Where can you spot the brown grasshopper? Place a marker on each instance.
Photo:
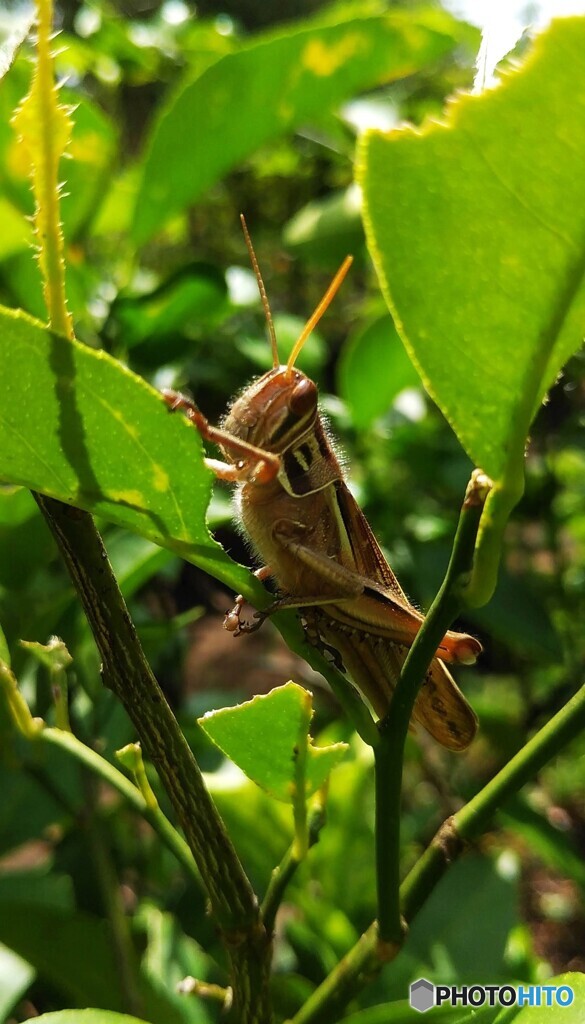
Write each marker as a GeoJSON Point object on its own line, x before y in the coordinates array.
{"type": "Point", "coordinates": [316, 543]}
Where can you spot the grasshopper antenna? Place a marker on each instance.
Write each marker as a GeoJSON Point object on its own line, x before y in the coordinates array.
{"type": "Point", "coordinates": [314, 319]}
{"type": "Point", "coordinates": [263, 295]}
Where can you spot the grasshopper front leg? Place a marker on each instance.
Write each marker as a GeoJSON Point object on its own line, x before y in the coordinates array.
{"type": "Point", "coordinates": [250, 464]}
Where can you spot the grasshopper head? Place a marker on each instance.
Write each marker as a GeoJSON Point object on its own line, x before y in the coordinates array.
{"type": "Point", "coordinates": [275, 411]}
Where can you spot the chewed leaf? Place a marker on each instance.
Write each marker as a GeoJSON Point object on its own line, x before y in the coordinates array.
{"type": "Point", "coordinates": [53, 655]}
{"type": "Point", "coordinates": [477, 231]}
{"type": "Point", "coordinates": [268, 738]}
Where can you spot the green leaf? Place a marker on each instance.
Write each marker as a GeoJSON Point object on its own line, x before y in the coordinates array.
{"type": "Point", "coordinates": [400, 1012]}
{"type": "Point", "coordinates": [17, 234]}
{"type": "Point", "coordinates": [42, 810]}
{"type": "Point", "coordinates": [289, 78]}
{"type": "Point", "coordinates": [92, 153]}
{"type": "Point", "coordinates": [100, 438]}
{"type": "Point", "coordinates": [326, 230]}
{"type": "Point", "coordinates": [170, 957]}
{"type": "Point", "coordinates": [74, 952]}
{"type": "Point", "coordinates": [268, 736]}
{"type": "Point", "coordinates": [478, 235]}
{"type": "Point", "coordinates": [185, 301]}
{"type": "Point", "coordinates": [442, 947]}
{"type": "Point", "coordinates": [4, 652]}
{"type": "Point", "coordinates": [551, 844]}
{"type": "Point", "coordinates": [368, 392]}
{"type": "Point", "coordinates": [15, 977]}
{"type": "Point", "coordinates": [554, 1014]}
{"type": "Point", "coordinates": [477, 232]}
{"type": "Point", "coordinates": [14, 28]}
{"type": "Point", "coordinates": [84, 1017]}
{"type": "Point", "coordinates": [53, 655]}
{"type": "Point", "coordinates": [135, 560]}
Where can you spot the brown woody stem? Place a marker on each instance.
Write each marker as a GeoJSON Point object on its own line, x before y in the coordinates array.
{"type": "Point", "coordinates": [127, 673]}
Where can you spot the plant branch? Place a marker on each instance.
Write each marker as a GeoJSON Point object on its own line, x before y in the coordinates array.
{"type": "Point", "coordinates": [108, 773]}
{"type": "Point", "coordinates": [109, 887]}
{"type": "Point", "coordinates": [474, 817]}
{"type": "Point", "coordinates": [393, 729]}
{"type": "Point", "coordinates": [126, 671]}
{"type": "Point", "coordinates": [284, 871]}
{"type": "Point", "coordinates": [45, 128]}
{"type": "Point", "coordinates": [364, 960]}
{"type": "Point", "coordinates": [352, 704]}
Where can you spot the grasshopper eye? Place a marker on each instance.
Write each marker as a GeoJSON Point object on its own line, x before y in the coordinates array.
{"type": "Point", "coordinates": [303, 397]}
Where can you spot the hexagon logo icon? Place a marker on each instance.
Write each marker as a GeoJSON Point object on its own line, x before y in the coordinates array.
{"type": "Point", "coordinates": [422, 995]}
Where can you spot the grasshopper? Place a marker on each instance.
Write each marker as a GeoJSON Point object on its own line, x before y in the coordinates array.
{"type": "Point", "coordinates": [317, 545]}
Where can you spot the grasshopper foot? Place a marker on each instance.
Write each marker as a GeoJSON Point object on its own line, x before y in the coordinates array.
{"type": "Point", "coordinates": [233, 619]}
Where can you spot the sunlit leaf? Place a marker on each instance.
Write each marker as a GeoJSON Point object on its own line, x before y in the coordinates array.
{"type": "Point", "coordinates": [289, 78]}
{"type": "Point", "coordinates": [326, 230]}
{"type": "Point", "coordinates": [477, 232]}
{"type": "Point", "coordinates": [99, 437]}
{"type": "Point", "coordinates": [373, 369]}
{"type": "Point", "coordinates": [4, 652]}
{"type": "Point", "coordinates": [84, 1017]}
{"type": "Point", "coordinates": [15, 977]}
{"type": "Point", "coordinates": [14, 28]}
{"type": "Point", "coordinates": [268, 738]}
{"type": "Point", "coordinates": [478, 235]}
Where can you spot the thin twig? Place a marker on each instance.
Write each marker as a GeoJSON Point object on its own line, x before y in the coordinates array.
{"type": "Point", "coordinates": [283, 873]}
{"type": "Point", "coordinates": [108, 773]}
{"type": "Point", "coordinates": [109, 888]}
{"type": "Point", "coordinates": [389, 754]}
{"type": "Point", "coordinates": [364, 960]}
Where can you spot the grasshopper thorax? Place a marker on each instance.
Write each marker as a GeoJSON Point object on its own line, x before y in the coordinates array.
{"type": "Point", "coordinates": [275, 411]}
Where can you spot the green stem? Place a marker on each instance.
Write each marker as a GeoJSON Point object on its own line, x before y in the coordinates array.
{"type": "Point", "coordinates": [283, 873]}
{"type": "Point", "coordinates": [363, 960]}
{"type": "Point", "coordinates": [51, 117]}
{"type": "Point", "coordinates": [354, 707]}
{"type": "Point", "coordinates": [126, 671]}
{"type": "Point", "coordinates": [388, 786]}
{"type": "Point", "coordinates": [108, 773]}
{"type": "Point", "coordinates": [474, 817]}
{"type": "Point", "coordinates": [389, 754]}
{"type": "Point", "coordinates": [109, 886]}
{"type": "Point", "coordinates": [357, 968]}
{"type": "Point", "coordinates": [61, 697]}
